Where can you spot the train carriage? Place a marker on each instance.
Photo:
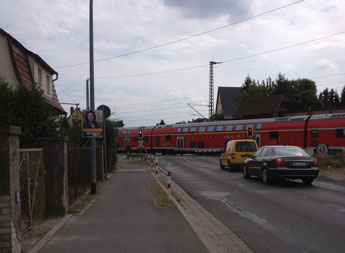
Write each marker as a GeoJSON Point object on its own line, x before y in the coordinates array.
{"type": "Point", "coordinates": [319, 132]}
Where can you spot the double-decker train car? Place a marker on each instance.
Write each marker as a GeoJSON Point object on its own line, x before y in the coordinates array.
{"type": "Point", "coordinates": [322, 133]}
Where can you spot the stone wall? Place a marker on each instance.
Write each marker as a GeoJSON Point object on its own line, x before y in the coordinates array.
{"type": "Point", "coordinates": [10, 240]}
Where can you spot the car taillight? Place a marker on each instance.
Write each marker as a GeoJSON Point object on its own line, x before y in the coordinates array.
{"type": "Point", "coordinates": [315, 163]}
{"type": "Point", "coordinates": [279, 162]}
{"type": "Point", "coordinates": [233, 156]}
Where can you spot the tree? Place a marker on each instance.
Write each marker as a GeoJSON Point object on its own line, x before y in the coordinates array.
{"type": "Point", "coordinates": [28, 109]}
{"type": "Point", "coordinates": [304, 95]}
{"type": "Point", "coordinates": [342, 97]}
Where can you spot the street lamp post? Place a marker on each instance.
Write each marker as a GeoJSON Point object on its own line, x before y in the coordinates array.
{"type": "Point", "coordinates": [92, 105]}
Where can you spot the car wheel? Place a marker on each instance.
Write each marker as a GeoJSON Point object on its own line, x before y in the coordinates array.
{"type": "Point", "coordinates": [308, 181]}
{"type": "Point", "coordinates": [245, 172]}
{"type": "Point", "coordinates": [265, 178]}
{"type": "Point", "coordinates": [229, 165]}
{"type": "Point", "coordinates": [221, 164]}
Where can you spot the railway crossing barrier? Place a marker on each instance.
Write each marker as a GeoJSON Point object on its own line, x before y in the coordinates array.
{"type": "Point", "coordinates": [160, 171]}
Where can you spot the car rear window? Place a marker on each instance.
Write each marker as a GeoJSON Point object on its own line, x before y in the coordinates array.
{"type": "Point", "coordinates": [289, 151]}
{"type": "Point", "coordinates": [245, 146]}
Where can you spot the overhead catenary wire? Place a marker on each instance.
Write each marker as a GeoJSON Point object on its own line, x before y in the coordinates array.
{"type": "Point", "coordinates": [229, 60]}
{"type": "Point", "coordinates": [184, 38]}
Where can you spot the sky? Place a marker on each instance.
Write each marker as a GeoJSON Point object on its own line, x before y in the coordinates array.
{"type": "Point", "coordinates": [152, 56]}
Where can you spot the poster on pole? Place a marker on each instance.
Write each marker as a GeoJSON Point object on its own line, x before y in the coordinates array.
{"type": "Point", "coordinates": [93, 123]}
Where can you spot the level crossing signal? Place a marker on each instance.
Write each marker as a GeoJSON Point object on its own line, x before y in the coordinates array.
{"type": "Point", "coordinates": [140, 133]}
{"type": "Point", "coordinates": [250, 132]}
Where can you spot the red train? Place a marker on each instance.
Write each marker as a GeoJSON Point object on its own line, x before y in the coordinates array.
{"type": "Point", "coordinates": [322, 133]}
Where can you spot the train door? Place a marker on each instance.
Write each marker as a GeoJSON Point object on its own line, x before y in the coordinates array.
{"type": "Point", "coordinates": [180, 143]}
{"type": "Point", "coordinates": [258, 139]}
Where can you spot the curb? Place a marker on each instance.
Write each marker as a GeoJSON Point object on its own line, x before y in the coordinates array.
{"type": "Point", "coordinates": [215, 236]}
{"type": "Point", "coordinates": [50, 234]}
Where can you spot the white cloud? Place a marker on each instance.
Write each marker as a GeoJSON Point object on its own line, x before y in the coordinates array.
{"type": "Point", "coordinates": [325, 64]}
{"type": "Point", "coordinates": [58, 32]}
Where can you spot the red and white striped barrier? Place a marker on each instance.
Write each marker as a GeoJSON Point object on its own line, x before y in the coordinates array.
{"type": "Point", "coordinates": [166, 172]}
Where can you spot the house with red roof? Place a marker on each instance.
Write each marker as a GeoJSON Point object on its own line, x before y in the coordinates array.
{"type": "Point", "coordinates": [20, 65]}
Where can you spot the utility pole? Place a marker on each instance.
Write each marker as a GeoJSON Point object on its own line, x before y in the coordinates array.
{"type": "Point", "coordinates": [93, 177]}
{"type": "Point", "coordinates": [211, 96]}
{"type": "Point", "coordinates": [87, 95]}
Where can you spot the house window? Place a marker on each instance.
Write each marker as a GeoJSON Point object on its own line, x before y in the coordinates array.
{"type": "Point", "coordinates": [48, 84]}
{"type": "Point", "coordinates": [39, 78]}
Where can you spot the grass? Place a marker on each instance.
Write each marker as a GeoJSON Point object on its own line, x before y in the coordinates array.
{"type": "Point", "coordinates": [331, 162]}
{"type": "Point", "coordinates": [160, 196]}
{"type": "Point", "coordinates": [84, 202]}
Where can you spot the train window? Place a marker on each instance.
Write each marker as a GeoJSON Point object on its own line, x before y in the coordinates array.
{"type": "Point", "coordinates": [192, 144]}
{"type": "Point", "coordinates": [229, 128]}
{"type": "Point", "coordinates": [201, 144]}
{"type": "Point", "coordinates": [274, 135]}
{"type": "Point", "coordinates": [185, 130]}
{"type": "Point", "coordinates": [168, 138]}
{"type": "Point", "coordinates": [250, 126]}
{"type": "Point", "coordinates": [158, 138]}
{"type": "Point", "coordinates": [314, 134]}
{"type": "Point", "coordinates": [129, 133]}
{"type": "Point", "coordinates": [219, 128]}
{"type": "Point", "coordinates": [146, 138]}
{"type": "Point", "coordinates": [210, 129]}
{"type": "Point", "coordinates": [193, 130]}
{"type": "Point", "coordinates": [340, 133]}
{"type": "Point", "coordinates": [135, 138]}
{"type": "Point", "coordinates": [201, 129]}
{"type": "Point", "coordinates": [239, 128]}
{"type": "Point", "coordinates": [258, 127]}
{"type": "Point", "coordinates": [179, 130]}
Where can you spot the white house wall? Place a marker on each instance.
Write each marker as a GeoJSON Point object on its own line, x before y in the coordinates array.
{"type": "Point", "coordinates": [6, 67]}
{"type": "Point", "coordinates": [44, 85]}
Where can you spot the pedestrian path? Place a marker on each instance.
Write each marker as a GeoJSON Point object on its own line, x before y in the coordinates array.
{"type": "Point", "coordinates": [125, 219]}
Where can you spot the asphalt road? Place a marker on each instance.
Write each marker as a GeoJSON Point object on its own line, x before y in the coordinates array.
{"type": "Point", "coordinates": [285, 216]}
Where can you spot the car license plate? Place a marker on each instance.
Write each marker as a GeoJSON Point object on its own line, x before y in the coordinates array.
{"type": "Point", "coordinates": [299, 164]}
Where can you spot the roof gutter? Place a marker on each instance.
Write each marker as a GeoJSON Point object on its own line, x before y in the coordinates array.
{"type": "Point", "coordinates": [56, 76]}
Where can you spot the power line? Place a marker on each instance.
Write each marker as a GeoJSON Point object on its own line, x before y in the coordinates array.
{"type": "Point", "coordinates": [319, 77]}
{"type": "Point", "coordinates": [230, 60]}
{"type": "Point", "coordinates": [185, 38]}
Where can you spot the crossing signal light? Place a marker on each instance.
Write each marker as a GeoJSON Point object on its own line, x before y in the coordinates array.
{"type": "Point", "coordinates": [250, 132]}
{"type": "Point", "coordinates": [140, 133]}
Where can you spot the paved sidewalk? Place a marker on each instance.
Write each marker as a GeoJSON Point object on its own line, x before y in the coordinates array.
{"type": "Point", "coordinates": [125, 219]}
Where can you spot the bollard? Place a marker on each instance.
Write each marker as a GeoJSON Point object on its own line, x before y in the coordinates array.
{"type": "Point", "coordinates": [169, 180]}
{"type": "Point", "coordinates": [157, 169]}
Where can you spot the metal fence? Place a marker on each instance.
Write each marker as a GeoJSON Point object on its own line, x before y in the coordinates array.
{"type": "Point", "coordinates": [78, 172]}
{"type": "Point", "coordinates": [32, 192]}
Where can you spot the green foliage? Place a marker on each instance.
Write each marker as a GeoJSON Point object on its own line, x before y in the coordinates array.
{"type": "Point", "coordinates": [331, 97]}
{"type": "Point", "coordinates": [300, 93]}
{"type": "Point", "coordinates": [28, 109]}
